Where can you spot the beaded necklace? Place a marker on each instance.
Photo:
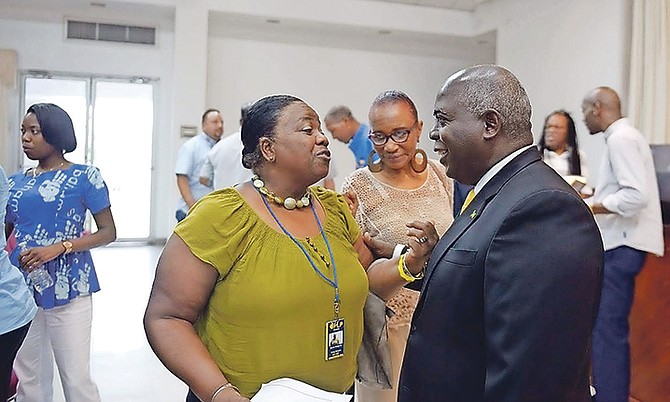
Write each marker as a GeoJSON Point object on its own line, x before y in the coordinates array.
{"type": "Point", "coordinates": [288, 202]}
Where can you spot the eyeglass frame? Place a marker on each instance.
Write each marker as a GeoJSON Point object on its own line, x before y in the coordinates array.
{"type": "Point", "coordinates": [375, 134]}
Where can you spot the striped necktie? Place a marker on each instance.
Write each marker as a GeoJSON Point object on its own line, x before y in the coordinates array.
{"type": "Point", "coordinates": [468, 199]}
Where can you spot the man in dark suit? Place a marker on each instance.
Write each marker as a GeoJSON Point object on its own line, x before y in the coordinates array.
{"type": "Point", "coordinates": [512, 288]}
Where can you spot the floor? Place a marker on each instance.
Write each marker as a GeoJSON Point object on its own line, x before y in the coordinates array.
{"type": "Point", "coordinates": [122, 363]}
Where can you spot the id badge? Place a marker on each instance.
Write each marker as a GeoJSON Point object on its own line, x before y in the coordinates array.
{"type": "Point", "coordinates": [334, 339]}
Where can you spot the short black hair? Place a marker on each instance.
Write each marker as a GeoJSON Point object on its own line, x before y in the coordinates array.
{"type": "Point", "coordinates": [56, 125]}
{"type": "Point", "coordinates": [261, 121]}
{"type": "Point", "coordinates": [208, 111]}
{"type": "Point", "coordinates": [244, 110]}
{"type": "Point", "coordinates": [395, 96]}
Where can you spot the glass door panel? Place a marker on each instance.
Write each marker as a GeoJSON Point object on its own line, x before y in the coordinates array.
{"type": "Point", "coordinates": [121, 149]}
{"type": "Point", "coordinates": [69, 94]}
{"type": "Point", "coordinates": [113, 122]}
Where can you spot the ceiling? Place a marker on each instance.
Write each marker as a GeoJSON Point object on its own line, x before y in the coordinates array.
{"type": "Point", "coordinates": [463, 5]}
{"type": "Point", "coordinates": [480, 48]}
{"type": "Point", "coordinates": [256, 27]}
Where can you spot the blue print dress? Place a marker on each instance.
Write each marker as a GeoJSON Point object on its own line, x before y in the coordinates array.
{"type": "Point", "coordinates": [48, 208]}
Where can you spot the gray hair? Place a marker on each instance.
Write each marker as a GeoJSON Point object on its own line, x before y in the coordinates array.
{"type": "Point", "coordinates": [492, 87]}
{"type": "Point", "coordinates": [337, 113]}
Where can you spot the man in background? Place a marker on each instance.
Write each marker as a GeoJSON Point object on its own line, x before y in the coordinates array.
{"type": "Point", "coordinates": [627, 208]}
{"type": "Point", "coordinates": [511, 290]}
{"type": "Point", "coordinates": [190, 159]}
{"type": "Point", "coordinates": [223, 163]}
{"type": "Point", "coordinates": [345, 128]}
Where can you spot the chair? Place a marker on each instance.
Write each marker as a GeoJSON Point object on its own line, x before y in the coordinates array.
{"type": "Point", "coordinates": [661, 155]}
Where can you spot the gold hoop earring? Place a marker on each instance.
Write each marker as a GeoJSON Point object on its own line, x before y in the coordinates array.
{"type": "Point", "coordinates": [421, 165]}
{"type": "Point", "coordinates": [374, 166]}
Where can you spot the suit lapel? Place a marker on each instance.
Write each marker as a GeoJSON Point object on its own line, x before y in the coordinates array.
{"type": "Point", "coordinates": [476, 207]}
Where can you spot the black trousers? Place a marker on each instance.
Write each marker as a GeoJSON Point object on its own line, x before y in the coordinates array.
{"type": "Point", "coordinates": [9, 347]}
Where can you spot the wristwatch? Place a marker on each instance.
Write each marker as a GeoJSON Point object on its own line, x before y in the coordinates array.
{"type": "Point", "coordinates": [68, 246]}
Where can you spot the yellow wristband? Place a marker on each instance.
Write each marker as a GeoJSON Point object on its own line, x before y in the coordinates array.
{"type": "Point", "coordinates": [405, 273]}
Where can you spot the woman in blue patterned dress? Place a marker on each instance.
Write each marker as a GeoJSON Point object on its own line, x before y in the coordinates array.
{"type": "Point", "coordinates": [46, 209]}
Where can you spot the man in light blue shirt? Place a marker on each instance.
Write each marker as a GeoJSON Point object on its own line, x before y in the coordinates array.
{"type": "Point", "coordinates": [17, 307]}
{"type": "Point", "coordinates": [344, 127]}
{"type": "Point", "coordinates": [190, 159]}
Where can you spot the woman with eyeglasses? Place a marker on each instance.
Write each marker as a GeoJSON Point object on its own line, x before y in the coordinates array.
{"type": "Point", "coordinates": [402, 186]}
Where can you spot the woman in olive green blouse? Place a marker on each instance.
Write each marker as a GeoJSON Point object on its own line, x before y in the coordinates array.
{"type": "Point", "coordinates": [267, 279]}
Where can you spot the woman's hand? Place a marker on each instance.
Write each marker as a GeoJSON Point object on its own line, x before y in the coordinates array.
{"type": "Point", "coordinates": [383, 274]}
{"type": "Point", "coordinates": [38, 256]}
{"type": "Point", "coordinates": [378, 248]}
{"type": "Point", "coordinates": [423, 238]}
{"type": "Point", "coordinates": [352, 201]}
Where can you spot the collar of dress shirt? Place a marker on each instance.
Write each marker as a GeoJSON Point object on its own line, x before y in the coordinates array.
{"type": "Point", "coordinates": [624, 121]}
{"type": "Point", "coordinates": [497, 167]}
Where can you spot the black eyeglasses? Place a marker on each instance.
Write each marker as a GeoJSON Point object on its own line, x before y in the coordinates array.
{"type": "Point", "coordinates": [398, 136]}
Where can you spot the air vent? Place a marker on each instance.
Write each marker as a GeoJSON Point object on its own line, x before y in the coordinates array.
{"type": "Point", "coordinates": [111, 32]}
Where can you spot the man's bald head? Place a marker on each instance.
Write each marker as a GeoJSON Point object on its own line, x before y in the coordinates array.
{"type": "Point", "coordinates": [492, 87]}
{"type": "Point", "coordinates": [607, 97]}
{"type": "Point", "coordinates": [601, 107]}
{"type": "Point", "coordinates": [482, 115]}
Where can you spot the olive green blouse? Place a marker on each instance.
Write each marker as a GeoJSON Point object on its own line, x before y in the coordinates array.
{"type": "Point", "coordinates": [267, 314]}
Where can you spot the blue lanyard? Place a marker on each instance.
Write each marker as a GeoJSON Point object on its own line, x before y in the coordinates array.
{"type": "Point", "coordinates": [333, 283]}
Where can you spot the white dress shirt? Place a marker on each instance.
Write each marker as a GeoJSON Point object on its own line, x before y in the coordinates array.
{"type": "Point", "coordinates": [497, 168]}
{"type": "Point", "coordinates": [561, 162]}
{"type": "Point", "coordinates": [223, 163]}
{"type": "Point", "coordinates": [627, 186]}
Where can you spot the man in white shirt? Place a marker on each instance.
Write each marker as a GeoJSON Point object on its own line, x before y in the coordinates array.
{"type": "Point", "coordinates": [628, 212]}
{"type": "Point", "coordinates": [190, 159]}
{"type": "Point", "coordinates": [222, 166]}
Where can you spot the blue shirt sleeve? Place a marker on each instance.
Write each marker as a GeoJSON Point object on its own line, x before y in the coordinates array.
{"type": "Point", "coordinates": [96, 194]}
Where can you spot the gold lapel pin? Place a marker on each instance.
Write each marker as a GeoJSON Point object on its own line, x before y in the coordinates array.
{"type": "Point", "coordinates": [473, 214]}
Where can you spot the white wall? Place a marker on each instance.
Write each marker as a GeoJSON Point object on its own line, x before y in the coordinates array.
{"type": "Point", "coordinates": [245, 70]}
{"type": "Point", "coordinates": [560, 50]}
{"type": "Point", "coordinates": [41, 45]}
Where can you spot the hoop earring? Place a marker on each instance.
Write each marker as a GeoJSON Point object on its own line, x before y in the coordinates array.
{"type": "Point", "coordinates": [421, 165]}
{"type": "Point", "coordinates": [375, 167]}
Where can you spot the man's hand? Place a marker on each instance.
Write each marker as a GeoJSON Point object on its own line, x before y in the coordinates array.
{"type": "Point", "coordinates": [424, 237]}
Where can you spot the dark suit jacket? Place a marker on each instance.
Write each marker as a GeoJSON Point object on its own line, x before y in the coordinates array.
{"type": "Point", "coordinates": [510, 296]}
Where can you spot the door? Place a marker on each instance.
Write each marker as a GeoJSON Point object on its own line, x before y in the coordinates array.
{"type": "Point", "coordinates": [113, 121]}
